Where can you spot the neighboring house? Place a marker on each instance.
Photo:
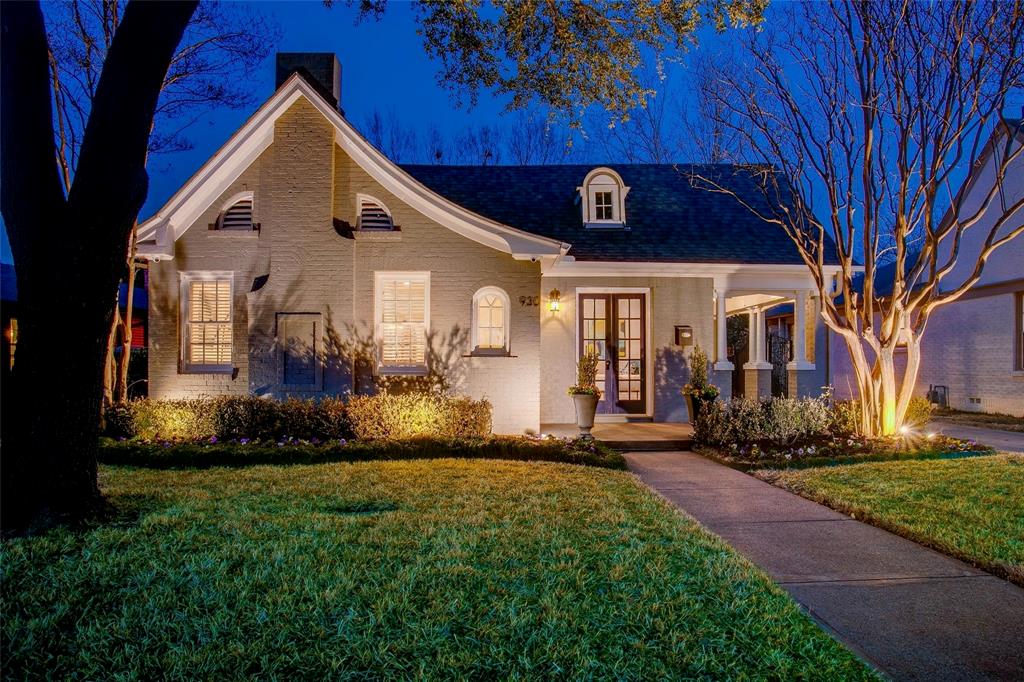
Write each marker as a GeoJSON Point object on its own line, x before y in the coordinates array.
{"type": "Point", "coordinates": [9, 314]}
{"type": "Point", "coordinates": [300, 261]}
{"type": "Point", "coordinates": [972, 353]}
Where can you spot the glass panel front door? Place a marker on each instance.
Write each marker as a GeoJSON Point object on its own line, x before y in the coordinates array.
{"type": "Point", "coordinates": [614, 327]}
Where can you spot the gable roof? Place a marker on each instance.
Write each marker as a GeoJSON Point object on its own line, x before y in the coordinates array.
{"type": "Point", "coordinates": [668, 218]}
{"type": "Point", "coordinates": [158, 233]}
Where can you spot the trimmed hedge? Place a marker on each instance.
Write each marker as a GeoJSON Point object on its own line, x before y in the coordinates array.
{"type": "Point", "coordinates": [233, 454]}
{"type": "Point", "coordinates": [381, 416]}
{"type": "Point", "coordinates": [414, 415]}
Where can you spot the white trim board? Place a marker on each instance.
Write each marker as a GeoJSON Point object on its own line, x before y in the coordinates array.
{"type": "Point", "coordinates": [157, 234]}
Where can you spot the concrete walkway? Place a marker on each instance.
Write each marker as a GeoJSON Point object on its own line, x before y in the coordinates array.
{"type": "Point", "coordinates": [1008, 441]}
{"type": "Point", "coordinates": [911, 612]}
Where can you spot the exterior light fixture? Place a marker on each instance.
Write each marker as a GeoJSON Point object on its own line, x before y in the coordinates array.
{"type": "Point", "coordinates": [904, 429]}
{"type": "Point", "coordinates": [554, 300]}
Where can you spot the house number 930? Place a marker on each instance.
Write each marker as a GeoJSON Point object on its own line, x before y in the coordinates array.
{"type": "Point", "coordinates": [529, 301]}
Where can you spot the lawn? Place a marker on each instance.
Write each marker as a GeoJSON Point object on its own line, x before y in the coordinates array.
{"type": "Point", "coordinates": [428, 569]}
{"type": "Point", "coordinates": [970, 508]}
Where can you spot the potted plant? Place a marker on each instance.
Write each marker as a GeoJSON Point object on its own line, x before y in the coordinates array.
{"type": "Point", "coordinates": [699, 391]}
{"type": "Point", "coordinates": [585, 394]}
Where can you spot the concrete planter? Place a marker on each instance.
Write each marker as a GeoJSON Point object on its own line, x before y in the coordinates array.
{"type": "Point", "coordinates": [586, 408]}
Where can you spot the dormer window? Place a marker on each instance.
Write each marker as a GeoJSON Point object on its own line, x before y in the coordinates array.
{"type": "Point", "coordinates": [603, 197]}
{"type": "Point", "coordinates": [373, 215]}
{"type": "Point", "coordinates": [237, 214]}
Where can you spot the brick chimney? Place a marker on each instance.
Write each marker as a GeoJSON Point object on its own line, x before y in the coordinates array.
{"type": "Point", "coordinates": [320, 69]}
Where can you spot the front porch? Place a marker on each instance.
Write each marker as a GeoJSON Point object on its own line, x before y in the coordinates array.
{"type": "Point", "coordinates": [633, 436]}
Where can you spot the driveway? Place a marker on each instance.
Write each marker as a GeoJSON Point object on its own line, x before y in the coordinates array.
{"type": "Point", "coordinates": [913, 613]}
{"type": "Point", "coordinates": [1008, 441]}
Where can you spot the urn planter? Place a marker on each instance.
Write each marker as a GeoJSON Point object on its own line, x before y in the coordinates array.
{"type": "Point", "coordinates": [586, 408]}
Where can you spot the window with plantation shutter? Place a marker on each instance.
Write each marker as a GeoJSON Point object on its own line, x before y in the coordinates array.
{"type": "Point", "coordinates": [373, 215]}
{"type": "Point", "coordinates": [402, 312]}
{"type": "Point", "coordinates": [238, 216]}
{"type": "Point", "coordinates": [206, 322]}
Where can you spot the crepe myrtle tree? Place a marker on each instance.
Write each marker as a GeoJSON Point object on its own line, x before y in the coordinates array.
{"type": "Point", "coordinates": [69, 243]}
{"type": "Point", "coordinates": [865, 118]}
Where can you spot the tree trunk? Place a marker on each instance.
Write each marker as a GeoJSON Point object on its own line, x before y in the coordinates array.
{"type": "Point", "coordinates": [887, 424]}
{"type": "Point", "coordinates": [69, 252]}
{"type": "Point", "coordinates": [121, 383]}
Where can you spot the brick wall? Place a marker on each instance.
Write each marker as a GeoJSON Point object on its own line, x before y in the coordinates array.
{"type": "Point", "coordinates": [302, 182]}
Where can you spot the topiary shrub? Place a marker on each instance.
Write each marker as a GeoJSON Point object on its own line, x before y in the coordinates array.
{"type": "Point", "coordinates": [413, 415]}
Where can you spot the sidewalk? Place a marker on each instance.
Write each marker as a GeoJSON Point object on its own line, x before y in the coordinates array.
{"type": "Point", "coordinates": [911, 612]}
{"type": "Point", "coordinates": [1008, 441]}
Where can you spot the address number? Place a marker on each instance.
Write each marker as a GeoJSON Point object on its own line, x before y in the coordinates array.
{"type": "Point", "coordinates": [526, 301]}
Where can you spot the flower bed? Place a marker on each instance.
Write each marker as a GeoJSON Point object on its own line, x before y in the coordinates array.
{"type": "Point", "coordinates": [214, 452]}
{"type": "Point", "coordinates": [835, 450]}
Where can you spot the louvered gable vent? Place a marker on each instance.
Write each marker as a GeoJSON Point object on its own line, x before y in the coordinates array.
{"type": "Point", "coordinates": [238, 217]}
{"type": "Point", "coordinates": [373, 216]}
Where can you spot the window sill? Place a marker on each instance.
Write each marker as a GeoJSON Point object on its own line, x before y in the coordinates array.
{"type": "Point", "coordinates": [605, 225]}
{"type": "Point", "coordinates": [234, 234]}
{"type": "Point", "coordinates": [491, 354]}
{"type": "Point", "coordinates": [1017, 373]}
{"type": "Point", "coordinates": [226, 371]}
{"type": "Point", "coordinates": [402, 371]}
{"type": "Point", "coordinates": [394, 235]}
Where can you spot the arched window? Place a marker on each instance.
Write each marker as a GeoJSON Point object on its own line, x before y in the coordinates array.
{"type": "Point", "coordinates": [491, 312]}
{"type": "Point", "coordinates": [237, 213]}
{"type": "Point", "coordinates": [373, 215]}
{"type": "Point", "coordinates": [604, 199]}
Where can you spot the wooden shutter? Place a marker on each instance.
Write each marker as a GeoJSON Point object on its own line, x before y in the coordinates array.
{"type": "Point", "coordinates": [403, 337]}
{"type": "Point", "coordinates": [208, 326]}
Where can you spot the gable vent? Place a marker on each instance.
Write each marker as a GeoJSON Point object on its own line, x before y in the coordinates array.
{"type": "Point", "coordinates": [373, 216]}
{"type": "Point", "coordinates": [238, 217]}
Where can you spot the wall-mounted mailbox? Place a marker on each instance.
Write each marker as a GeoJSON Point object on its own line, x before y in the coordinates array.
{"type": "Point", "coordinates": [684, 335]}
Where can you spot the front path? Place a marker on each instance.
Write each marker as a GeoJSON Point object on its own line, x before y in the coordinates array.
{"type": "Point", "coordinates": [910, 611]}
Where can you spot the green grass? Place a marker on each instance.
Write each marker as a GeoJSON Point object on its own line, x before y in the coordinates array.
{"type": "Point", "coordinates": [426, 569]}
{"type": "Point", "coordinates": [970, 508]}
{"type": "Point", "coordinates": [985, 420]}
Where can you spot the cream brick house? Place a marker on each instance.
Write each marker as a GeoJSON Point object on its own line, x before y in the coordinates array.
{"type": "Point", "coordinates": [300, 261]}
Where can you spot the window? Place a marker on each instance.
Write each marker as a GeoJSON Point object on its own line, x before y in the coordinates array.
{"type": "Point", "coordinates": [491, 310]}
{"type": "Point", "coordinates": [402, 313]}
{"type": "Point", "coordinates": [237, 214]}
{"type": "Point", "coordinates": [373, 215]}
{"type": "Point", "coordinates": [604, 197]}
{"type": "Point", "coordinates": [206, 321]}
{"type": "Point", "coordinates": [299, 340]}
{"type": "Point", "coordinates": [603, 205]}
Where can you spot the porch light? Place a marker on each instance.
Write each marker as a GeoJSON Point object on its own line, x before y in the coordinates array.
{"type": "Point", "coordinates": [554, 300]}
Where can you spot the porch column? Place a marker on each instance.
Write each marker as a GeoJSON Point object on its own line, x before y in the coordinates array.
{"type": "Point", "coordinates": [721, 337]}
{"type": "Point", "coordinates": [798, 368]}
{"type": "Point", "coordinates": [757, 373]}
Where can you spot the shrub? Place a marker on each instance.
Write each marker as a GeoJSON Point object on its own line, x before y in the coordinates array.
{"type": "Point", "coordinates": [228, 417]}
{"type": "Point", "coordinates": [586, 375]}
{"type": "Point", "coordinates": [237, 454]}
{"type": "Point", "coordinates": [384, 416]}
{"type": "Point", "coordinates": [919, 411]}
{"type": "Point", "coordinates": [775, 420]}
{"type": "Point", "coordinates": [845, 418]}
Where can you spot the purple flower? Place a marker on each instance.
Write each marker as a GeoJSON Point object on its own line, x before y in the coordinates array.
{"type": "Point", "coordinates": [213, 439]}
{"type": "Point", "coordinates": [243, 441]}
{"type": "Point", "coordinates": [314, 440]}
{"type": "Point", "coordinates": [167, 444]}
{"type": "Point", "coordinates": [342, 441]}
{"type": "Point", "coordinates": [121, 439]}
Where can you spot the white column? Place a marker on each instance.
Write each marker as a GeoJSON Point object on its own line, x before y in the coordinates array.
{"type": "Point", "coordinates": [758, 344]}
{"type": "Point", "coordinates": [721, 337]}
{"type": "Point", "coordinates": [800, 333]}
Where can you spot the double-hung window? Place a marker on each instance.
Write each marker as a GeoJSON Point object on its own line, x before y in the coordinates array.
{"type": "Point", "coordinates": [206, 321]}
{"type": "Point", "coordinates": [402, 311]}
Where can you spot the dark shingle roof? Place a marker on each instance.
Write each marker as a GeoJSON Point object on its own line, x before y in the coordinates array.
{"type": "Point", "coordinates": [669, 219]}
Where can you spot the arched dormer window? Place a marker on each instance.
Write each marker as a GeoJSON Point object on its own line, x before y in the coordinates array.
{"type": "Point", "coordinates": [373, 214]}
{"type": "Point", "coordinates": [236, 214]}
{"type": "Point", "coordinates": [491, 315]}
{"type": "Point", "coordinates": [603, 197]}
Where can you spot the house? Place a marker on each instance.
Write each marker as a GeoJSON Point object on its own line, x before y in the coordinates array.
{"type": "Point", "coordinates": [300, 261]}
{"type": "Point", "coordinates": [972, 352]}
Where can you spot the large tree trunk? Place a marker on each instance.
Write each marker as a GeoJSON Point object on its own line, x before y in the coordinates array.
{"type": "Point", "coordinates": [69, 253]}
